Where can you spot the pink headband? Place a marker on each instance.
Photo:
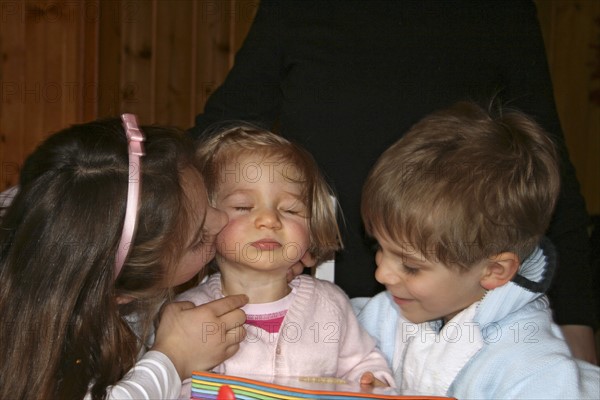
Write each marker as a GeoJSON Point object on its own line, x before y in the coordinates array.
{"type": "Point", "coordinates": [136, 149]}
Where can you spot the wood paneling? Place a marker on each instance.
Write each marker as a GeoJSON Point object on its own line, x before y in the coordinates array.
{"type": "Point", "coordinates": [166, 57]}
{"type": "Point", "coordinates": [571, 32]}
{"type": "Point", "coordinates": [65, 61]}
{"type": "Point", "coordinates": [47, 53]}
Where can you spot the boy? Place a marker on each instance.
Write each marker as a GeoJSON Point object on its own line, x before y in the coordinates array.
{"type": "Point", "coordinates": [458, 207]}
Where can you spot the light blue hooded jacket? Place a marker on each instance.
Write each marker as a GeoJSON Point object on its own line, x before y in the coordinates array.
{"type": "Point", "coordinates": [502, 347]}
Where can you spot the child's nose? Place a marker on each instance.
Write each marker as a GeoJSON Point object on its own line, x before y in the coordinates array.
{"type": "Point", "coordinates": [267, 218]}
{"type": "Point", "coordinates": [386, 275]}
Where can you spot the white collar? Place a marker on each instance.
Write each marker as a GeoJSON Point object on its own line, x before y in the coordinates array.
{"type": "Point", "coordinates": [433, 357]}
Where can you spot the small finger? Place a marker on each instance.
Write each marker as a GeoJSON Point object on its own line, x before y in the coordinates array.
{"type": "Point", "coordinates": [367, 379]}
{"type": "Point", "coordinates": [233, 319]}
{"type": "Point", "coordinates": [235, 335]}
{"type": "Point", "coordinates": [231, 350]}
{"type": "Point", "coordinates": [227, 304]}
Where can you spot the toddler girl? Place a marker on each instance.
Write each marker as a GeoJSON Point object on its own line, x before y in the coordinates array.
{"type": "Point", "coordinates": [280, 213]}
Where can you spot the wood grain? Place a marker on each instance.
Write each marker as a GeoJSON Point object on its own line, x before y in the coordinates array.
{"type": "Point", "coordinates": [571, 32]}
{"type": "Point", "coordinates": [71, 61]}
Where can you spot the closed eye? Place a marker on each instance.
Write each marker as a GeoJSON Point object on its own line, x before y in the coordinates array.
{"type": "Point", "coordinates": [295, 212]}
{"type": "Point", "coordinates": [410, 270]}
{"type": "Point", "coordinates": [242, 209]}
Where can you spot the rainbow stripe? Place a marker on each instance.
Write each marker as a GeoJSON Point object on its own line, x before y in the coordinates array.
{"type": "Point", "coordinates": [205, 385]}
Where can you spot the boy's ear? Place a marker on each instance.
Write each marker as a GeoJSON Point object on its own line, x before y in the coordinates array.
{"type": "Point", "coordinates": [500, 269]}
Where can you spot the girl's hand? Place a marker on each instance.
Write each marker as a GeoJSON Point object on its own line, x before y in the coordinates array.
{"type": "Point", "coordinates": [368, 379]}
{"type": "Point", "coordinates": [200, 337]}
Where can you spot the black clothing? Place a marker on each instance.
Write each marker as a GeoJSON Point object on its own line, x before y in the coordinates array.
{"type": "Point", "coordinates": [347, 78]}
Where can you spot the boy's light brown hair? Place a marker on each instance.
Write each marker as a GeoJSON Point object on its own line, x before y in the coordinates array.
{"type": "Point", "coordinates": [464, 184]}
{"type": "Point", "coordinates": [231, 143]}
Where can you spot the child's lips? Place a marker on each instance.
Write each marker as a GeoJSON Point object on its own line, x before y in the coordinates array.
{"type": "Point", "coordinates": [401, 301]}
{"type": "Point", "coordinates": [266, 244]}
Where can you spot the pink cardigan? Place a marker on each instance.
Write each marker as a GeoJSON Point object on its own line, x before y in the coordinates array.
{"type": "Point", "coordinates": [320, 336]}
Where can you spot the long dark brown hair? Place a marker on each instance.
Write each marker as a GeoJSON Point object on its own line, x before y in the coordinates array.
{"type": "Point", "coordinates": [63, 332]}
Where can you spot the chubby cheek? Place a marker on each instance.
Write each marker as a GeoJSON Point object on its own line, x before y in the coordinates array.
{"type": "Point", "coordinates": [182, 276]}
{"type": "Point", "coordinates": [229, 236]}
{"type": "Point", "coordinates": [206, 254]}
{"type": "Point", "coordinates": [301, 235]}
{"type": "Point", "coordinates": [415, 289]}
{"type": "Point", "coordinates": [191, 264]}
{"type": "Point", "coordinates": [432, 296]}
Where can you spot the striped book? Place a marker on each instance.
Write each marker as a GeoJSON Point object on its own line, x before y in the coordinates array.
{"type": "Point", "coordinates": [207, 385]}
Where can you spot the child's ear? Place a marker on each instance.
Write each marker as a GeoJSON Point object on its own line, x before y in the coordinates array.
{"type": "Point", "coordinates": [500, 269]}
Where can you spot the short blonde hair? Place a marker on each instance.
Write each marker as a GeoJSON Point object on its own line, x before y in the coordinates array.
{"type": "Point", "coordinates": [217, 148]}
{"type": "Point", "coordinates": [463, 184]}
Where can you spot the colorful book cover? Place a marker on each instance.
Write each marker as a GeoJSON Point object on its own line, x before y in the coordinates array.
{"type": "Point", "coordinates": [207, 385]}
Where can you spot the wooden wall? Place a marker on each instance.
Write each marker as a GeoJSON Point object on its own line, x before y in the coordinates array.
{"type": "Point", "coordinates": [166, 57]}
{"type": "Point", "coordinates": [571, 30]}
{"type": "Point", "coordinates": [46, 59]}
{"type": "Point", "coordinates": [68, 61]}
